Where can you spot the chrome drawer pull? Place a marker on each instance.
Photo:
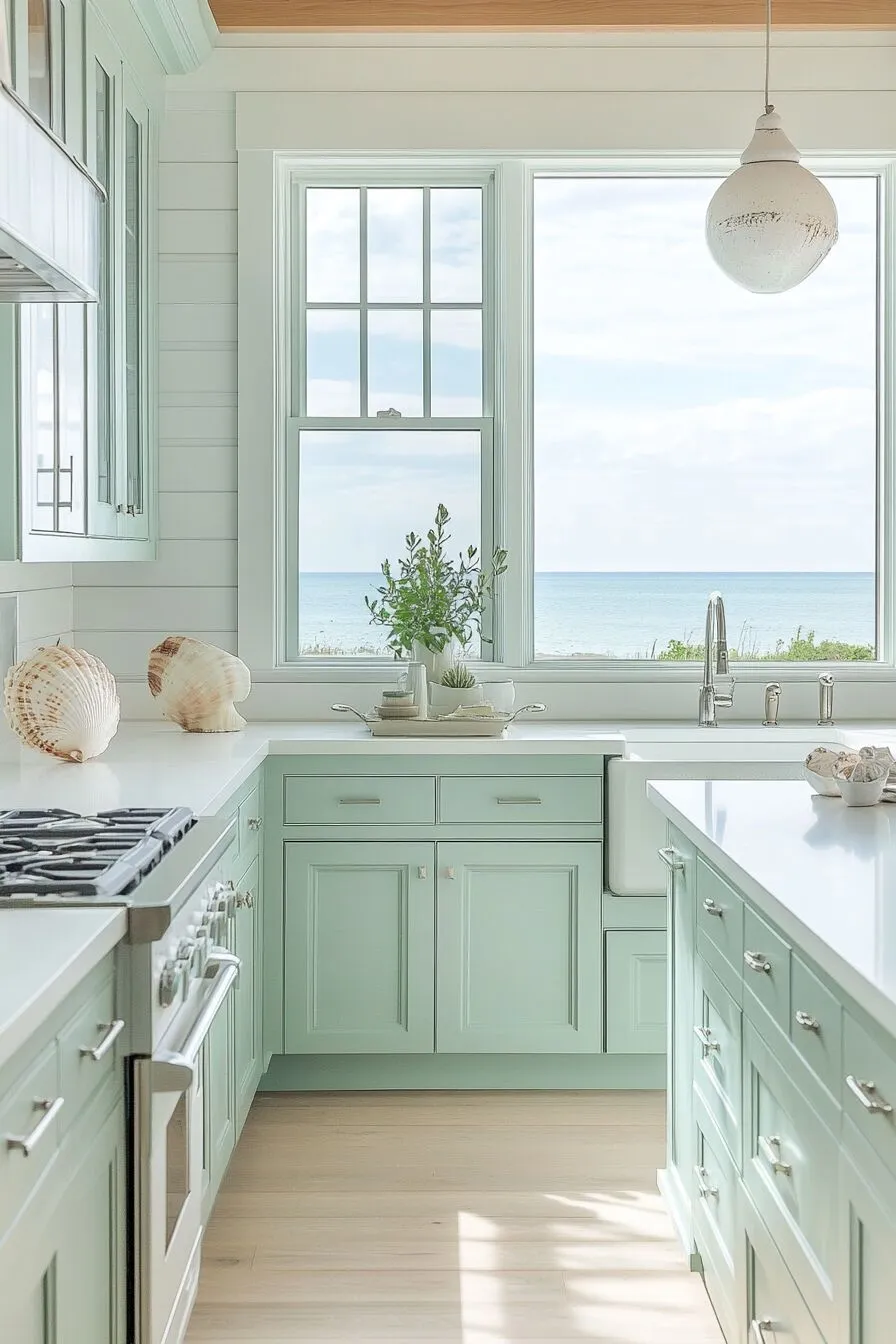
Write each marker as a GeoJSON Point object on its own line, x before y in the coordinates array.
{"type": "Point", "coordinates": [705, 1037]}
{"type": "Point", "coordinates": [770, 1149]}
{"type": "Point", "coordinates": [113, 1030]}
{"type": "Point", "coordinates": [712, 909]}
{"type": "Point", "coordinates": [254, 823]}
{"type": "Point", "coordinates": [865, 1093]}
{"type": "Point", "coordinates": [807, 1021]}
{"type": "Point", "coordinates": [704, 1189]}
{"type": "Point", "coordinates": [358, 802]}
{"type": "Point", "coordinates": [758, 1329]}
{"type": "Point", "coordinates": [757, 962]}
{"type": "Point", "coordinates": [244, 900]}
{"type": "Point", "coordinates": [421, 871]}
{"type": "Point", "coordinates": [518, 802]}
{"type": "Point", "coordinates": [671, 859]}
{"type": "Point", "coordinates": [451, 872]}
{"type": "Point", "coordinates": [28, 1142]}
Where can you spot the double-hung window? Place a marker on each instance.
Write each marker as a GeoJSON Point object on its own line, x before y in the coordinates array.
{"type": "Point", "coordinates": [390, 333]}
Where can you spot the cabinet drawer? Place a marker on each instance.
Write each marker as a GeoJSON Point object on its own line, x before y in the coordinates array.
{"type": "Point", "coordinates": [714, 1199]}
{"type": "Point", "coordinates": [249, 827]}
{"type": "Point", "coordinates": [359, 800]}
{"type": "Point", "coordinates": [717, 1054]}
{"type": "Point", "coordinates": [720, 914]}
{"type": "Point", "coordinates": [20, 1113]}
{"type": "Point", "coordinates": [869, 1089]}
{"type": "Point", "coordinates": [534, 799]}
{"type": "Point", "coordinates": [816, 1025]}
{"type": "Point", "coordinates": [776, 1312]}
{"type": "Point", "coordinates": [93, 1028]}
{"type": "Point", "coordinates": [766, 972]}
{"type": "Point", "coordinates": [790, 1162]}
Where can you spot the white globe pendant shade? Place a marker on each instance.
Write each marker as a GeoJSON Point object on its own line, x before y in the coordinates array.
{"type": "Point", "coordinates": [771, 222]}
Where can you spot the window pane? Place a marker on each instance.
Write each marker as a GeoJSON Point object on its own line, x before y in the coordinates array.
{"type": "Point", "coordinates": [103, 168]}
{"type": "Point", "coordinates": [456, 361]}
{"type": "Point", "coordinates": [395, 245]}
{"type": "Point", "coordinates": [43, 356]}
{"type": "Point", "coordinates": [39, 59]}
{"type": "Point", "coordinates": [133, 310]}
{"type": "Point", "coordinates": [395, 361]}
{"type": "Point", "coordinates": [691, 436]}
{"type": "Point", "coordinates": [72, 428]}
{"type": "Point", "coordinates": [380, 485]}
{"type": "Point", "coordinates": [332, 362]}
{"type": "Point", "coordinates": [332, 244]}
{"type": "Point", "coordinates": [8, 43]}
{"type": "Point", "coordinates": [456, 244]}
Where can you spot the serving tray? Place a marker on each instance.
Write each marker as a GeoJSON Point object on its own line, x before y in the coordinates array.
{"type": "Point", "coordinates": [494, 726]}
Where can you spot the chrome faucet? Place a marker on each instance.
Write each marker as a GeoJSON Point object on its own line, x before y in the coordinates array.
{"type": "Point", "coordinates": [715, 664]}
{"type": "Point", "coordinates": [825, 700]}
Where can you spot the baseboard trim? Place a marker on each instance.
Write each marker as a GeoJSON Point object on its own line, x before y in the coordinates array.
{"type": "Point", "coordinates": [481, 1073]}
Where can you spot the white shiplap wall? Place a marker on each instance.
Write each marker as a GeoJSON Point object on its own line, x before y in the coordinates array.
{"type": "Point", "coordinates": [524, 93]}
{"type": "Point", "coordinates": [122, 610]}
{"type": "Point", "coordinates": [44, 607]}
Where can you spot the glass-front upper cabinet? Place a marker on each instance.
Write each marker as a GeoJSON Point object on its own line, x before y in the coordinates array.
{"type": "Point", "coordinates": [135, 344]}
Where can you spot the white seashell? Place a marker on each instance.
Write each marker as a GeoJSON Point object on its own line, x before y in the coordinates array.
{"type": "Point", "coordinates": [196, 684]}
{"type": "Point", "coordinates": [62, 701]}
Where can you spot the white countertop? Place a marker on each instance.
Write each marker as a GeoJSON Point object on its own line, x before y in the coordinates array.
{"type": "Point", "coordinates": [44, 955]}
{"type": "Point", "coordinates": [825, 873]}
{"type": "Point", "coordinates": [156, 764]}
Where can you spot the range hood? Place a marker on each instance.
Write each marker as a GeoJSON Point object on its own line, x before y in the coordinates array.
{"type": "Point", "coordinates": [49, 213]}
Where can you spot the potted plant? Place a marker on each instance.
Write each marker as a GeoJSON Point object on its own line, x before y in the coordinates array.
{"type": "Point", "coordinates": [434, 603]}
{"type": "Point", "coordinates": [457, 687]}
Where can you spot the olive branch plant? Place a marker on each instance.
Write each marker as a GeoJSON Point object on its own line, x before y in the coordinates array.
{"type": "Point", "coordinates": [432, 598]}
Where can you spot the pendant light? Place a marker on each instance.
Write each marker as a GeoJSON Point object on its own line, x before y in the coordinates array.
{"type": "Point", "coordinates": [772, 221]}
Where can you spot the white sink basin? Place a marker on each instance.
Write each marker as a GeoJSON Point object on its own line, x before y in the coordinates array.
{"type": "Point", "coordinates": [636, 830]}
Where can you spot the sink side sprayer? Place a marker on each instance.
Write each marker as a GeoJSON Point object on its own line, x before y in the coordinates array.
{"type": "Point", "coordinates": [715, 665]}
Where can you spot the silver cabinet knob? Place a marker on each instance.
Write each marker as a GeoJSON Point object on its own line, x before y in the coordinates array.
{"type": "Point", "coordinates": [704, 1189]}
{"type": "Point", "coordinates": [806, 1021]}
{"type": "Point", "coordinates": [708, 1043]}
{"type": "Point", "coordinates": [712, 908]}
{"type": "Point", "coordinates": [757, 962]}
{"type": "Point", "coordinates": [671, 859]}
{"type": "Point", "coordinates": [421, 871]}
{"type": "Point", "coordinates": [868, 1095]}
{"type": "Point", "coordinates": [770, 1149]}
{"type": "Point", "coordinates": [451, 873]}
{"type": "Point", "coordinates": [254, 823]}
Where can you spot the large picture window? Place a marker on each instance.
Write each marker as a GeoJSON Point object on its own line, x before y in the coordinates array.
{"type": "Point", "coordinates": [554, 355]}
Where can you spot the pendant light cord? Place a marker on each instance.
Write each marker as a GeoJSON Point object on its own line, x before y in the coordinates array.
{"type": "Point", "coordinates": [769, 107]}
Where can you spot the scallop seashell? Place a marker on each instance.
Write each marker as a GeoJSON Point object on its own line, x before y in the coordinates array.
{"type": "Point", "coordinates": [62, 701]}
{"type": "Point", "coordinates": [197, 683]}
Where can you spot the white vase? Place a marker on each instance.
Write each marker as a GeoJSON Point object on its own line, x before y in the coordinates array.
{"type": "Point", "coordinates": [436, 663]}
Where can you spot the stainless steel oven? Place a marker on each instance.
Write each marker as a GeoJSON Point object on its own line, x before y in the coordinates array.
{"type": "Point", "coordinates": [167, 1154]}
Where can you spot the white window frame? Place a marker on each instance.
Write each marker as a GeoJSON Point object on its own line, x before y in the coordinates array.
{"type": "Point", "coordinates": [266, 374]}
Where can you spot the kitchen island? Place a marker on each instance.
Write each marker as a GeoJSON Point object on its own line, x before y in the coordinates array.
{"type": "Point", "coordinates": [781, 1159]}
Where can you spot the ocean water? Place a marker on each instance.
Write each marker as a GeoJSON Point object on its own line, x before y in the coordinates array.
{"type": "Point", "coordinates": [625, 615]}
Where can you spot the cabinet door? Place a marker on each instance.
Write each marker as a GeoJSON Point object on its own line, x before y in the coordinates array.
{"type": "Point", "coordinates": [132, 465]}
{"type": "Point", "coordinates": [91, 1286]}
{"type": "Point", "coordinates": [219, 1113]}
{"type": "Point", "coordinates": [246, 1000]}
{"type": "Point", "coordinates": [359, 953]}
{"type": "Point", "coordinates": [519, 948]}
{"type": "Point", "coordinates": [636, 991]}
{"type": "Point", "coordinates": [869, 1244]}
{"type": "Point", "coordinates": [62, 1269]}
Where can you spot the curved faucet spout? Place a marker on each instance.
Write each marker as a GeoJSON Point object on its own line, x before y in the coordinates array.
{"type": "Point", "coordinates": [715, 664]}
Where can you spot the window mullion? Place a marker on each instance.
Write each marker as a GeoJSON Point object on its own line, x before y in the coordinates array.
{"type": "Point", "coordinates": [427, 307]}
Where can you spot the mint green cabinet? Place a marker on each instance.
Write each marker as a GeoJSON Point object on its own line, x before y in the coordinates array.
{"type": "Point", "coordinates": [519, 948]}
{"type": "Point", "coordinates": [247, 1004]}
{"type": "Point", "coordinates": [359, 948]}
{"type": "Point", "coordinates": [636, 991]}
{"type": "Point", "coordinates": [219, 1098]}
{"type": "Point", "coordinates": [868, 1244]}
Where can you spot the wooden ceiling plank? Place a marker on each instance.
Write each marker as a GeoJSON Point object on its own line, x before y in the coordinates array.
{"type": "Point", "coordinates": [534, 15]}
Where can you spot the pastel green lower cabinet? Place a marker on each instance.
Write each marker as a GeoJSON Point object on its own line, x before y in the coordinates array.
{"type": "Point", "coordinates": [219, 1100]}
{"type": "Point", "coordinates": [868, 1204]}
{"type": "Point", "coordinates": [636, 991]}
{"type": "Point", "coordinates": [247, 1003]}
{"type": "Point", "coordinates": [519, 948]}
{"type": "Point", "coordinates": [359, 948]}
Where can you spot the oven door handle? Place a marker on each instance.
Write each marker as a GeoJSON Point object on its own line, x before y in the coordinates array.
{"type": "Point", "coordinates": [173, 1070]}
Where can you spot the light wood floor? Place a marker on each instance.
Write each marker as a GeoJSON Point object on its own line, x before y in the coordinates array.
{"type": "Point", "coordinates": [475, 1218]}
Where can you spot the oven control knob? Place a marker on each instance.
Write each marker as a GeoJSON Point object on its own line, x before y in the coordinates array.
{"type": "Point", "coordinates": [171, 982]}
{"type": "Point", "coordinates": [186, 952]}
{"type": "Point", "coordinates": [203, 947]}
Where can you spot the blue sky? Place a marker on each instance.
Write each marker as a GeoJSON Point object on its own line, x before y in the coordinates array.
{"type": "Point", "coordinates": [681, 423]}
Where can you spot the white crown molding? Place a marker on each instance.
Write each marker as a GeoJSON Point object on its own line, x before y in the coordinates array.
{"type": "Point", "coordinates": [182, 32]}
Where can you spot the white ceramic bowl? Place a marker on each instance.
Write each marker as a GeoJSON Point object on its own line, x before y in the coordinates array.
{"type": "Point", "coordinates": [446, 699]}
{"type": "Point", "coordinates": [826, 785]}
{"type": "Point", "coordinates": [861, 793]}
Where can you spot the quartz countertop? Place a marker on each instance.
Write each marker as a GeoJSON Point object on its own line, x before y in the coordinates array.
{"type": "Point", "coordinates": [44, 955]}
{"type": "Point", "coordinates": [823, 872]}
{"type": "Point", "coordinates": [156, 764]}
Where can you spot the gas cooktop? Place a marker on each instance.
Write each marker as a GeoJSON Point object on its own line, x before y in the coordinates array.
{"type": "Point", "coordinates": [62, 854]}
